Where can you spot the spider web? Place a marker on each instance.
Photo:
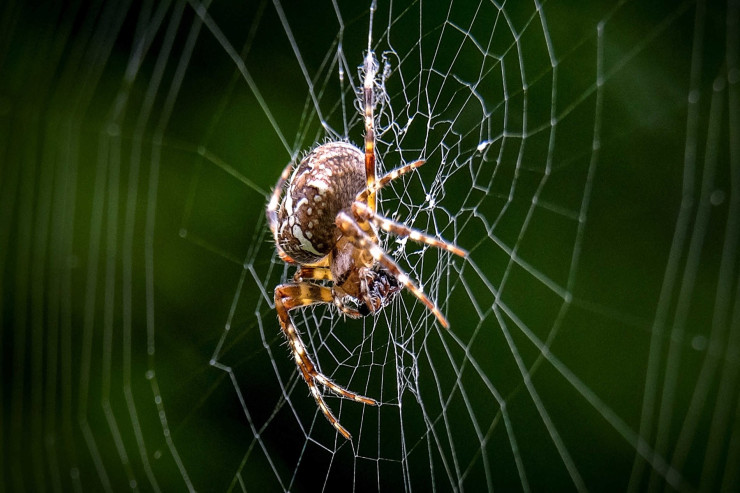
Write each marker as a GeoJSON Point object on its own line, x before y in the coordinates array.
{"type": "Point", "coordinates": [585, 155]}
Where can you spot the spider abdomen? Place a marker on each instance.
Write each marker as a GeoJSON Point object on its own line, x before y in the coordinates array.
{"type": "Point", "coordinates": [325, 182]}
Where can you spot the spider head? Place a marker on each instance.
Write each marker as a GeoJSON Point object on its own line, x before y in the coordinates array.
{"type": "Point", "coordinates": [381, 288]}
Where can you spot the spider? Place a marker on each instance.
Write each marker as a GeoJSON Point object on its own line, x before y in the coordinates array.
{"type": "Point", "coordinates": [327, 225]}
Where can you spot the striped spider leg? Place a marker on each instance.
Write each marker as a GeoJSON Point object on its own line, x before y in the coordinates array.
{"type": "Point", "coordinates": [300, 294]}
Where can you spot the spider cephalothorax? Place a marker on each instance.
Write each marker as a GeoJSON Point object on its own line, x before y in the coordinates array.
{"type": "Point", "coordinates": [327, 224]}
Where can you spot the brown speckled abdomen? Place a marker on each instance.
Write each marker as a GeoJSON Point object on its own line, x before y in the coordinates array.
{"type": "Point", "coordinates": [325, 182]}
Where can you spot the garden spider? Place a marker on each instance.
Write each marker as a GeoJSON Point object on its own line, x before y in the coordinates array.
{"type": "Point", "coordinates": [327, 224]}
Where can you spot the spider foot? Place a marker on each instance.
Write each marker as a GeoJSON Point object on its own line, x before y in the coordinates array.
{"type": "Point", "coordinates": [312, 380]}
{"type": "Point", "coordinates": [342, 392]}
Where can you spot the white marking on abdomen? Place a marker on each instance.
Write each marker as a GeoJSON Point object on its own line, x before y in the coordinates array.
{"type": "Point", "coordinates": [306, 244]}
{"type": "Point", "coordinates": [321, 185]}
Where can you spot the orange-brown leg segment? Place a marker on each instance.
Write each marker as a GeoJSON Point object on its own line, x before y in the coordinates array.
{"type": "Point", "coordinates": [313, 273]}
{"type": "Point", "coordinates": [360, 239]}
{"type": "Point", "coordinates": [362, 211]}
{"type": "Point", "coordinates": [295, 295]}
{"type": "Point", "coordinates": [318, 273]}
{"type": "Point", "coordinates": [386, 179]}
{"type": "Point", "coordinates": [371, 68]}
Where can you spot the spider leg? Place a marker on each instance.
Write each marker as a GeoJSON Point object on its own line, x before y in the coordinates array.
{"type": "Point", "coordinates": [360, 239]}
{"type": "Point", "coordinates": [316, 273]}
{"type": "Point", "coordinates": [272, 207]}
{"type": "Point", "coordinates": [363, 212]}
{"type": "Point", "coordinates": [371, 68]}
{"type": "Point", "coordinates": [312, 273]}
{"type": "Point", "coordinates": [386, 179]}
{"type": "Point", "coordinates": [295, 295]}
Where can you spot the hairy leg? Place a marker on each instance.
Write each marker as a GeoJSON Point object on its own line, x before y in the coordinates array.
{"type": "Point", "coordinates": [295, 295]}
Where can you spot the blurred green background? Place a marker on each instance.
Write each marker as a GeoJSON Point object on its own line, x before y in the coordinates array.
{"type": "Point", "coordinates": [586, 155]}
